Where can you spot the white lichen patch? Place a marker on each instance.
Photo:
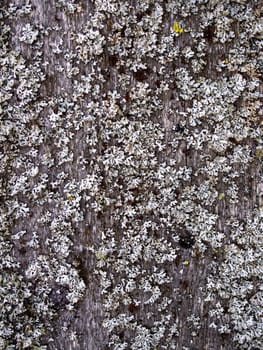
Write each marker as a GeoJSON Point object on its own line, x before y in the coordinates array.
{"type": "Point", "coordinates": [239, 283]}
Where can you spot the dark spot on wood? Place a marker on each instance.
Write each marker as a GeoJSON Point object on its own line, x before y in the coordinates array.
{"type": "Point", "coordinates": [123, 31]}
{"type": "Point", "coordinates": [57, 18]}
{"type": "Point", "coordinates": [106, 74]}
{"type": "Point", "coordinates": [22, 250]}
{"type": "Point", "coordinates": [142, 74]}
{"type": "Point", "coordinates": [121, 181]}
{"type": "Point", "coordinates": [121, 335]}
{"type": "Point", "coordinates": [179, 300]}
{"type": "Point", "coordinates": [183, 60]}
{"type": "Point", "coordinates": [179, 128]}
{"type": "Point", "coordinates": [253, 43]}
{"type": "Point", "coordinates": [109, 25]}
{"type": "Point", "coordinates": [225, 309]}
{"type": "Point", "coordinates": [186, 241]}
{"type": "Point", "coordinates": [139, 16]}
{"type": "Point", "coordinates": [187, 152]}
{"type": "Point", "coordinates": [156, 191]}
{"type": "Point", "coordinates": [174, 65]}
{"type": "Point", "coordinates": [28, 306]}
{"type": "Point", "coordinates": [158, 83]}
{"type": "Point", "coordinates": [58, 297]}
{"type": "Point", "coordinates": [147, 12]}
{"type": "Point", "coordinates": [55, 109]}
{"type": "Point", "coordinates": [83, 273]}
{"type": "Point", "coordinates": [135, 190]}
{"type": "Point", "coordinates": [177, 260]}
{"type": "Point", "coordinates": [206, 314]}
{"type": "Point", "coordinates": [233, 140]}
{"type": "Point", "coordinates": [185, 284]}
{"type": "Point", "coordinates": [113, 59]}
{"type": "Point", "coordinates": [133, 308]}
{"type": "Point", "coordinates": [209, 33]}
{"type": "Point", "coordinates": [122, 70]}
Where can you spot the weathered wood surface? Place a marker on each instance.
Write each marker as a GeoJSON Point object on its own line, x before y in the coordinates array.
{"type": "Point", "coordinates": [130, 129]}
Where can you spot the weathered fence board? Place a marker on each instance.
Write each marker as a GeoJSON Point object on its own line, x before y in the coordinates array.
{"type": "Point", "coordinates": [131, 175]}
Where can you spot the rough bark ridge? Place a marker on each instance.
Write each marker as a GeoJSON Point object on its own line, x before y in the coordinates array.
{"type": "Point", "coordinates": [131, 175]}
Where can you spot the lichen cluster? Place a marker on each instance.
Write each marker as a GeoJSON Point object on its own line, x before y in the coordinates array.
{"type": "Point", "coordinates": [132, 151]}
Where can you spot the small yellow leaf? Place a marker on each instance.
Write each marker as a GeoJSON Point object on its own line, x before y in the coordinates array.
{"type": "Point", "coordinates": [221, 196]}
{"type": "Point", "coordinates": [177, 28]}
{"type": "Point", "coordinates": [186, 262]}
{"type": "Point", "coordinates": [100, 255]}
{"type": "Point", "coordinates": [70, 198]}
{"type": "Point", "coordinates": [259, 152]}
{"type": "Point", "coordinates": [226, 61]}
